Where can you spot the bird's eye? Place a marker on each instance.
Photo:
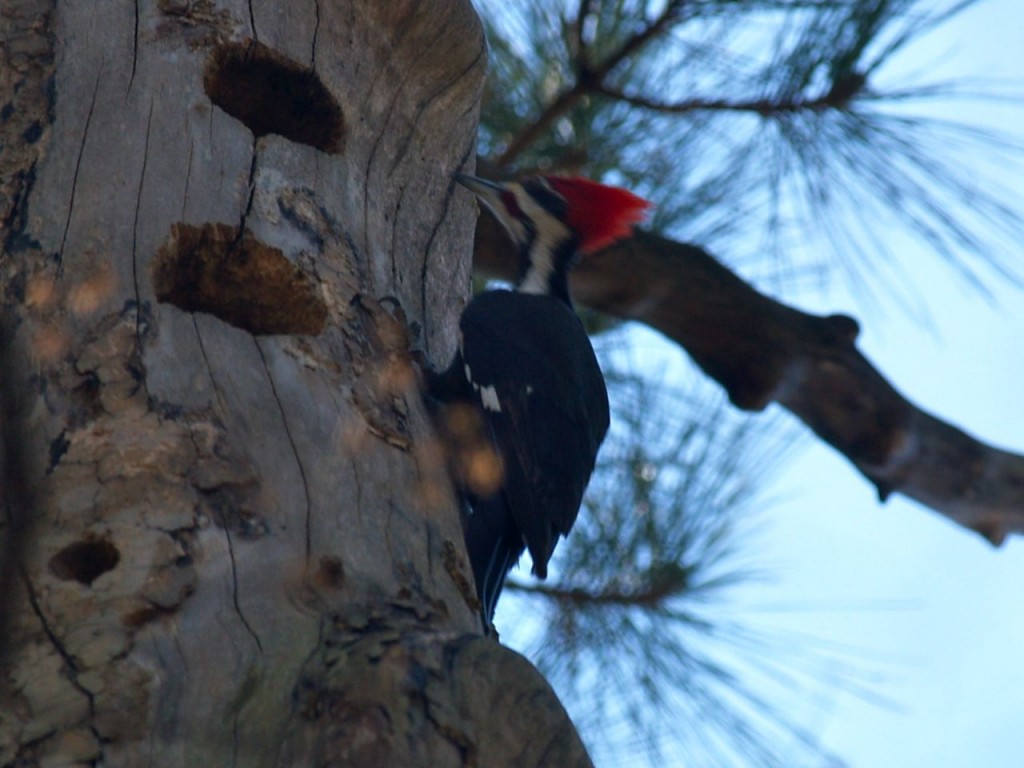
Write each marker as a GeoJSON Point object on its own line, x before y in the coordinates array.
{"type": "Point", "coordinates": [511, 204]}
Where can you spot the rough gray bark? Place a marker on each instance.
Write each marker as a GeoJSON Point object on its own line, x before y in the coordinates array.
{"type": "Point", "coordinates": [227, 539]}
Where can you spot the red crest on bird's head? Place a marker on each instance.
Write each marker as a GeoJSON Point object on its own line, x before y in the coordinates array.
{"type": "Point", "coordinates": [598, 213]}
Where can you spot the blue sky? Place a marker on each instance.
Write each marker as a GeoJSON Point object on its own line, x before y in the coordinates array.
{"type": "Point", "coordinates": [931, 612]}
{"type": "Point", "coordinates": [942, 608]}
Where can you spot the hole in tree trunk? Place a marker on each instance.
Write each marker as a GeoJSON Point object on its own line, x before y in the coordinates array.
{"type": "Point", "coordinates": [331, 572]}
{"type": "Point", "coordinates": [238, 279]}
{"type": "Point", "coordinates": [273, 94]}
{"type": "Point", "coordinates": [85, 561]}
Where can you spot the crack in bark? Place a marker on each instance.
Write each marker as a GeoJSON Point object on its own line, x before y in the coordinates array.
{"type": "Point", "coordinates": [295, 450]}
{"type": "Point", "coordinates": [359, 486]}
{"type": "Point", "coordinates": [457, 737]}
{"type": "Point", "coordinates": [393, 249]}
{"type": "Point", "coordinates": [252, 21]}
{"type": "Point", "coordinates": [352, 462]}
{"type": "Point", "coordinates": [176, 639]}
{"type": "Point", "coordinates": [192, 439]}
{"type": "Point", "coordinates": [135, 52]}
{"type": "Point", "coordinates": [135, 230]}
{"type": "Point", "coordinates": [234, 582]}
{"type": "Point", "coordinates": [425, 266]}
{"type": "Point", "coordinates": [188, 179]}
{"type": "Point", "coordinates": [408, 74]}
{"type": "Point", "coordinates": [316, 32]}
{"type": "Point", "coordinates": [425, 103]}
{"type": "Point", "coordinates": [451, 184]}
{"type": "Point", "coordinates": [15, 222]}
{"type": "Point", "coordinates": [252, 193]}
{"type": "Point", "coordinates": [74, 177]}
{"type": "Point", "coordinates": [209, 368]}
{"type": "Point", "coordinates": [429, 538]}
{"type": "Point", "coordinates": [55, 641]}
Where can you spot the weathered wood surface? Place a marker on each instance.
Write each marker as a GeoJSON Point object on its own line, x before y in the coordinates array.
{"type": "Point", "coordinates": [227, 538]}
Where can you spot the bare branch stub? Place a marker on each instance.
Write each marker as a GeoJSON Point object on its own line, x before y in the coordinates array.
{"type": "Point", "coordinates": [591, 79]}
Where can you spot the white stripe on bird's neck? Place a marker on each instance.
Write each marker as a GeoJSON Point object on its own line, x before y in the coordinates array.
{"type": "Point", "coordinates": [549, 234]}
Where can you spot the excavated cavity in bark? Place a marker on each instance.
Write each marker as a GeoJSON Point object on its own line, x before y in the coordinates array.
{"type": "Point", "coordinates": [273, 94]}
{"type": "Point", "coordinates": [238, 279]}
{"type": "Point", "coordinates": [85, 560]}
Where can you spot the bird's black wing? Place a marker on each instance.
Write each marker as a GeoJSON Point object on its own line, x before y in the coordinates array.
{"type": "Point", "coordinates": [533, 370]}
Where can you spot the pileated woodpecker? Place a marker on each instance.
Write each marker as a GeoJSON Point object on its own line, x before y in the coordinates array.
{"type": "Point", "coordinates": [526, 367]}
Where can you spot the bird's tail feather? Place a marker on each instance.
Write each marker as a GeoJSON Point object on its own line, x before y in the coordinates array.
{"type": "Point", "coordinates": [494, 544]}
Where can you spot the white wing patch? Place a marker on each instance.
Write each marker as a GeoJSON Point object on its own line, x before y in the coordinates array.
{"type": "Point", "coordinates": [489, 397]}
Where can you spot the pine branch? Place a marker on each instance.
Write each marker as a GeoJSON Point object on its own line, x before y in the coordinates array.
{"type": "Point", "coordinates": [649, 596]}
{"type": "Point", "coordinates": [827, 155]}
{"type": "Point", "coordinates": [588, 80]}
{"type": "Point", "coordinates": [762, 351]}
{"type": "Point", "coordinates": [838, 97]}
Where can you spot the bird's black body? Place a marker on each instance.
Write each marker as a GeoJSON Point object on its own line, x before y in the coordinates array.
{"type": "Point", "coordinates": [533, 374]}
{"type": "Point", "coordinates": [527, 368]}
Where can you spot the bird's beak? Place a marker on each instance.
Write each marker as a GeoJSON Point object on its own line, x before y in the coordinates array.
{"type": "Point", "coordinates": [488, 192]}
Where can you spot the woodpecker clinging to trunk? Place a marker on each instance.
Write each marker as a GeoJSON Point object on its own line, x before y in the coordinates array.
{"type": "Point", "coordinates": [526, 366]}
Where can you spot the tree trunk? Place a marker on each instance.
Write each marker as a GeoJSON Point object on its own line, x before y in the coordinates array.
{"type": "Point", "coordinates": [228, 538]}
